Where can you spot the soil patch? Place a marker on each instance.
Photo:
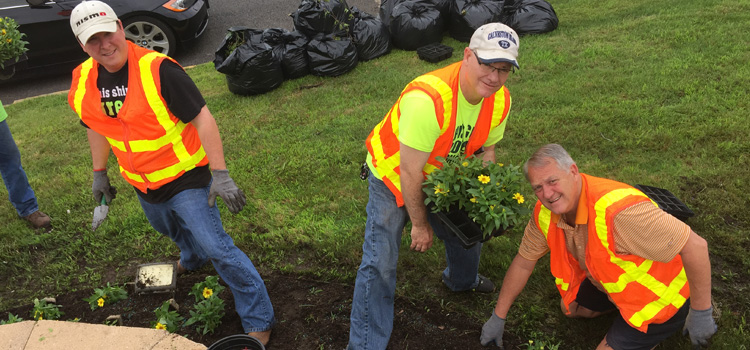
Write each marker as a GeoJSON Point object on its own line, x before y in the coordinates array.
{"type": "Point", "coordinates": [310, 315]}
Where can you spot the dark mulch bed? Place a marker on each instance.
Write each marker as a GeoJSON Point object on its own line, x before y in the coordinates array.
{"type": "Point", "coordinates": [310, 315]}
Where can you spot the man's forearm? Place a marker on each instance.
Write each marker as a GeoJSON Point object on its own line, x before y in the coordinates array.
{"type": "Point", "coordinates": [208, 132]}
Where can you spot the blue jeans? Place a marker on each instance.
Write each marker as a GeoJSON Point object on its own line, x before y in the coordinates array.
{"type": "Point", "coordinates": [19, 191]}
{"type": "Point", "coordinates": [196, 228]}
{"type": "Point", "coordinates": [374, 290]}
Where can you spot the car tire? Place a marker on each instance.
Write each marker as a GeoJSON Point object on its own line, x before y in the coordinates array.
{"type": "Point", "coordinates": [150, 33]}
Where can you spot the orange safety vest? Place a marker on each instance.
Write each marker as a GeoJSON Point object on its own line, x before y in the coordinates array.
{"type": "Point", "coordinates": [442, 86]}
{"type": "Point", "coordinates": [645, 291]}
{"type": "Point", "coordinates": [152, 146]}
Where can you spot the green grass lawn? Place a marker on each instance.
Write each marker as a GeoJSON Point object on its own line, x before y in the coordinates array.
{"type": "Point", "coordinates": [644, 92]}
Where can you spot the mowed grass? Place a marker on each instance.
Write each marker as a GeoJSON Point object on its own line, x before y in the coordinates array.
{"type": "Point", "coordinates": [651, 93]}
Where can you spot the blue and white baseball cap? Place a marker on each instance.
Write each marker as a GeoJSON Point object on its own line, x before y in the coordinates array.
{"type": "Point", "coordinates": [495, 42]}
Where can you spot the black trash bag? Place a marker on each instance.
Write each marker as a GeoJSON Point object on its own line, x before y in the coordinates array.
{"type": "Point", "coordinates": [290, 47]}
{"type": "Point", "coordinates": [250, 65]}
{"type": "Point", "coordinates": [444, 6]}
{"type": "Point", "coordinates": [530, 17]}
{"type": "Point", "coordinates": [331, 55]}
{"type": "Point", "coordinates": [370, 36]}
{"type": "Point", "coordinates": [468, 15]}
{"type": "Point", "coordinates": [322, 16]}
{"type": "Point", "coordinates": [415, 23]}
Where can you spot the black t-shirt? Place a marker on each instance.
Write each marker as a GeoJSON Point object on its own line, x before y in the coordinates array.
{"type": "Point", "coordinates": [183, 99]}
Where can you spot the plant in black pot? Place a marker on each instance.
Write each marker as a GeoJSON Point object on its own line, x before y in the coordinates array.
{"type": "Point", "coordinates": [12, 47]}
{"type": "Point", "coordinates": [477, 200]}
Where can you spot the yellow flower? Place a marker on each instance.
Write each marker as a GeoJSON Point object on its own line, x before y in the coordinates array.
{"type": "Point", "coordinates": [100, 302]}
{"type": "Point", "coordinates": [207, 292]}
{"type": "Point", "coordinates": [473, 199]}
{"type": "Point", "coordinates": [531, 342]}
{"type": "Point", "coordinates": [500, 164]}
{"type": "Point", "coordinates": [9, 40]}
{"type": "Point", "coordinates": [4, 32]}
{"type": "Point", "coordinates": [40, 318]}
{"type": "Point", "coordinates": [518, 197]}
{"type": "Point", "coordinates": [483, 179]}
{"type": "Point", "coordinates": [464, 163]}
{"type": "Point", "coordinates": [492, 207]}
{"type": "Point", "coordinates": [160, 326]}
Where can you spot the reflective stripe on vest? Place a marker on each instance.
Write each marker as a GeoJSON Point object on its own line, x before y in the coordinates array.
{"type": "Point", "coordinates": [644, 291]}
{"type": "Point", "coordinates": [442, 87]}
{"type": "Point", "coordinates": [170, 145]}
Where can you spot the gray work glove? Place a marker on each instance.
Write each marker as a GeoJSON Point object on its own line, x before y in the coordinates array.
{"type": "Point", "coordinates": [101, 187]}
{"type": "Point", "coordinates": [701, 326]}
{"type": "Point", "coordinates": [492, 331]}
{"type": "Point", "coordinates": [224, 187]}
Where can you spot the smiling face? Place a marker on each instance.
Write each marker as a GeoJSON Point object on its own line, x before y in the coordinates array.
{"type": "Point", "coordinates": [558, 189]}
{"type": "Point", "coordinates": [480, 81]}
{"type": "Point", "coordinates": [109, 49]}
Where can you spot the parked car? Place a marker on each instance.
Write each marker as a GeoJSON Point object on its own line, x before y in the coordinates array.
{"type": "Point", "coordinates": [160, 25]}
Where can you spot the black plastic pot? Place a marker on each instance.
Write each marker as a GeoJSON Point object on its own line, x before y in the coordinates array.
{"type": "Point", "coordinates": [667, 202]}
{"type": "Point", "coordinates": [459, 223]}
{"type": "Point", "coordinates": [237, 342]}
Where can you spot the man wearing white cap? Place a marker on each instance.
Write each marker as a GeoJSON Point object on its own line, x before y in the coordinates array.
{"type": "Point", "coordinates": [453, 113]}
{"type": "Point", "coordinates": [142, 106]}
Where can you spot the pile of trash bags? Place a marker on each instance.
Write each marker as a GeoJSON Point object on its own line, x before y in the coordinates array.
{"type": "Point", "coordinates": [330, 38]}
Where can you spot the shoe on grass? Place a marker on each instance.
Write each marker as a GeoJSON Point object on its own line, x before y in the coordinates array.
{"type": "Point", "coordinates": [484, 286]}
{"type": "Point", "coordinates": [38, 219]}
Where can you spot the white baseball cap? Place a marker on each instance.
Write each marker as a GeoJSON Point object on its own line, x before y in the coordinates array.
{"type": "Point", "coordinates": [495, 42]}
{"type": "Point", "coordinates": [91, 17]}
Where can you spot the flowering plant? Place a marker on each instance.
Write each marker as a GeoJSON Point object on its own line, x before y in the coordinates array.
{"type": "Point", "coordinates": [489, 193]}
{"type": "Point", "coordinates": [107, 295]}
{"type": "Point", "coordinates": [11, 44]}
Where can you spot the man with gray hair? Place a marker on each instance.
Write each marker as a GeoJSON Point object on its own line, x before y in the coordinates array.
{"type": "Point", "coordinates": [611, 249]}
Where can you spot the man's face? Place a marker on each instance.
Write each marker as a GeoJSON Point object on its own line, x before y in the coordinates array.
{"type": "Point", "coordinates": [109, 49]}
{"type": "Point", "coordinates": [557, 189]}
{"type": "Point", "coordinates": [482, 80]}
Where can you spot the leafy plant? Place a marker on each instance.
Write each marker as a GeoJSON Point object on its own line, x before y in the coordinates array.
{"type": "Point", "coordinates": [106, 296]}
{"type": "Point", "coordinates": [12, 45]}
{"type": "Point", "coordinates": [208, 314]}
{"type": "Point", "coordinates": [207, 288]}
{"type": "Point", "coordinates": [45, 311]}
{"type": "Point", "coordinates": [11, 319]}
{"type": "Point", "coordinates": [167, 319]}
{"type": "Point", "coordinates": [540, 345]}
{"type": "Point", "coordinates": [489, 193]}
{"type": "Point", "coordinates": [236, 39]}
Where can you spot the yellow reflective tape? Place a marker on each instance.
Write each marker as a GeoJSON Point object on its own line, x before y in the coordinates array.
{"type": "Point", "coordinates": [117, 144]}
{"type": "Point", "coordinates": [151, 92]}
{"type": "Point", "coordinates": [173, 170]}
{"type": "Point", "coordinates": [497, 112]}
{"type": "Point", "coordinates": [545, 215]}
{"type": "Point", "coordinates": [444, 90]}
{"type": "Point", "coordinates": [131, 176]}
{"type": "Point", "coordinates": [174, 135]}
{"type": "Point", "coordinates": [81, 87]}
{"type": "Point", "coordinates": [563, 285]}
{"type": "Point", "coordinates": [670, 296]}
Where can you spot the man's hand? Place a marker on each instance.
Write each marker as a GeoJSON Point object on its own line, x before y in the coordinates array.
{"type": "Point", "coordinates": [701, 326]}
{"type": "Point", "coordinates": [101, 187]}
{"type": "Point", "coordinates": [421, 238]}
{"type": "Point", "coordinates": [492, 331]}
{"type": "Point", "coordinates": [224, 187]}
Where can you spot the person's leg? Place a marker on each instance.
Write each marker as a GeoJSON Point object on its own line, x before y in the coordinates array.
{"type": "Point", "coordinates": [590, 302]}
{"type": "Point", "coordinates": [201, 230]}
{"type": "Point", "coordinates": [165, 221]}
{"type": "Point", "coordinates": [372, 304]}
{"type": "Point", "coordinates": [233, 265]}
{"type": "Point", "coordinates": [462, 271]}
{"type": "Point", "coordinates": [19, 191]}
{"type": "Point", "coordinates": [621, 336]}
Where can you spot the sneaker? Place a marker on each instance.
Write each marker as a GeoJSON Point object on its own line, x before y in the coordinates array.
{"type": "Point", "coordinates": [38, 219]}
{"type": "Point", "coordinates": [484, 286]}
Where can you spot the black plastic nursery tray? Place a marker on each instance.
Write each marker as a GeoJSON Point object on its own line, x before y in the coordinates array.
{"type": "Point", "coordinates": [434, 52]}
{"type": "Point", "coordinates": [667, 201]}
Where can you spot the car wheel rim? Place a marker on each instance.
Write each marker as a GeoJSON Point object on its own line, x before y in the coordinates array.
{"type": "Point", "coordinates": [147, 35]}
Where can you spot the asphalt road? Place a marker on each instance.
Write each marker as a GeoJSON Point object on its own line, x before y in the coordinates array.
{"type": "Point", "coordinates": [259, 14]}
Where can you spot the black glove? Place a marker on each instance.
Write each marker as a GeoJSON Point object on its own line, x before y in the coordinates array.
{"type": "Point", "coordinates": [101, 187]}
{"type": "Point", "coordinates": [701, 326]}
{"type": "Point", "coordinates": [224, 187]}
{"type": "Point", "coordinates": [492, 331]}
